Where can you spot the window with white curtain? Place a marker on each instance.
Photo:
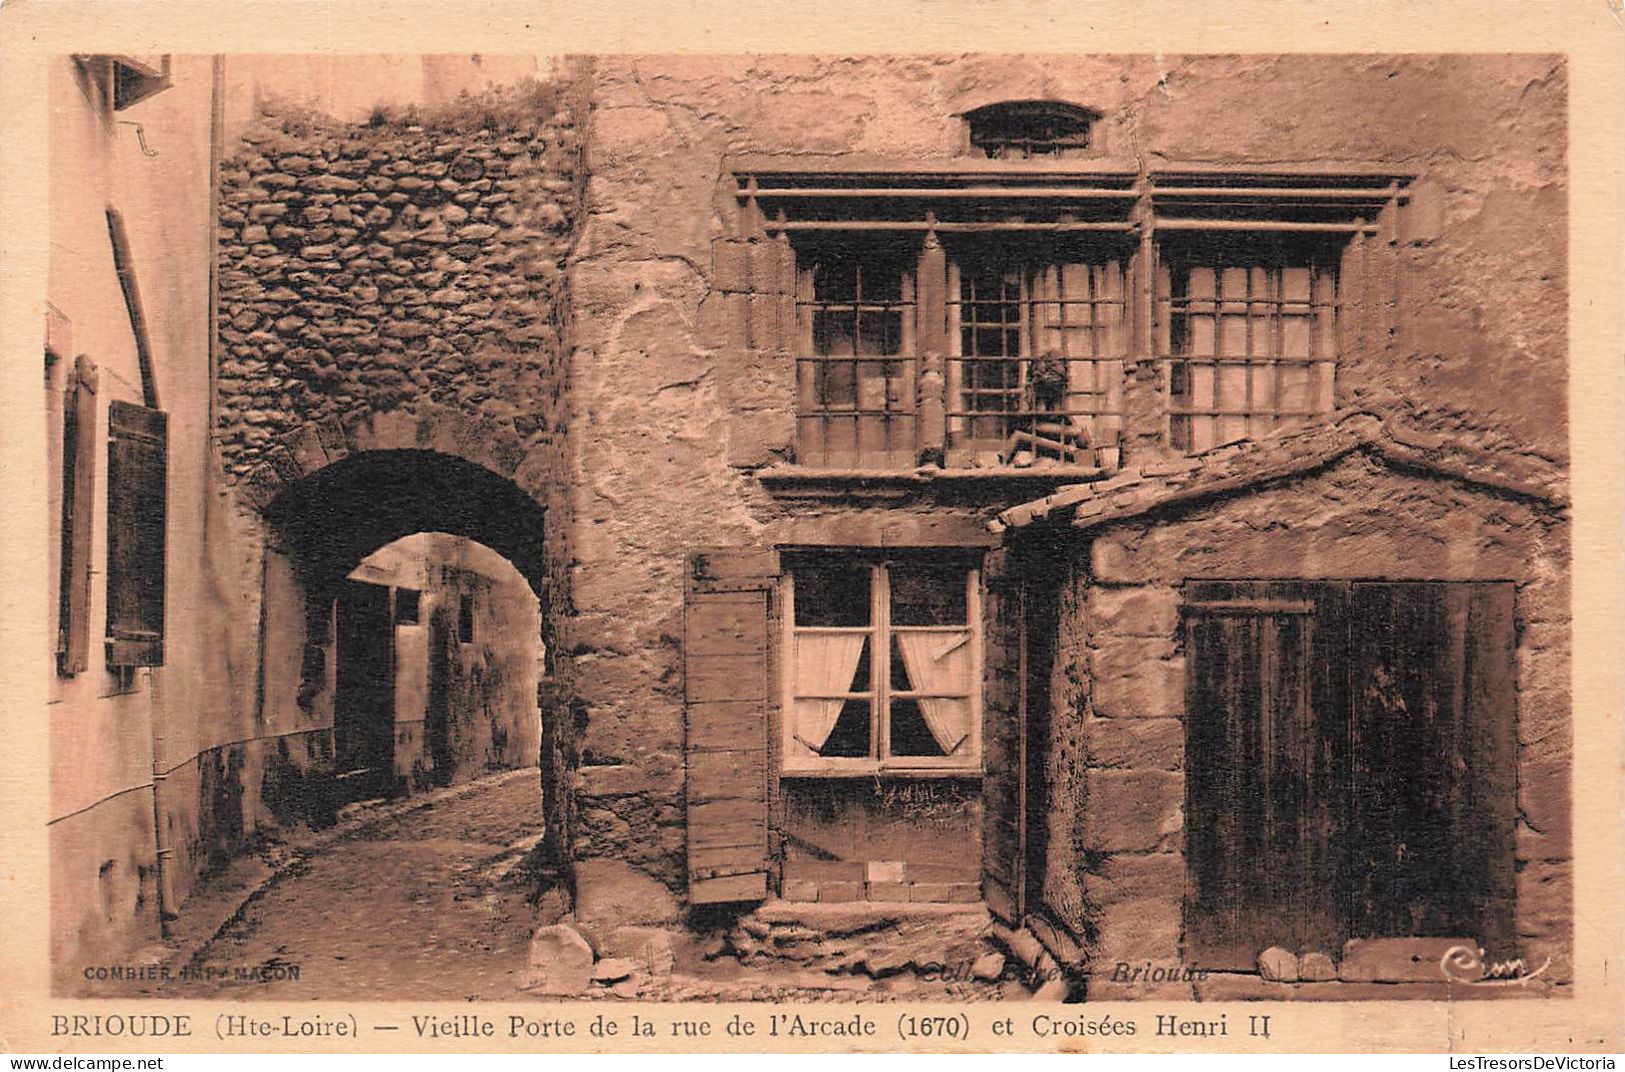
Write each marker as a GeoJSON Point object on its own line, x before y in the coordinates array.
{"type": "Point", "coordinates": [883, 663]}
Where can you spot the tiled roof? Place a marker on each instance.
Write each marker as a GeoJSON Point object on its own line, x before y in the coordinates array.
{"type": "Point", "coordinates": [1246, 463]}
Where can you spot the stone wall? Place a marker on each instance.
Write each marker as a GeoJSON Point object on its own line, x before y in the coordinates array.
{"type": "Point", "coordinates": [1114, 870]}
{"type": "Point", "coordinates": [398, 282]}
{"type": "Point", "coordinates": [483, 692]}
{"type": "Point", "coordinates": [678, 415]}
{"type": "Point", "coordinates": [413, 258]}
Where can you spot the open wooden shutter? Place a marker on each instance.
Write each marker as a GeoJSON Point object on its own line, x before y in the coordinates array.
{"type": "Point", "coordinates": [78, 518]}
{"type": "Point", "coordinates": [1265, 760]}
{"type": "Point", "coordinates": [1432, 789]}
{"type": "Point", "coordinates": [137, 491]}
{"type": "Point", "coordinates": [727, 595]}
{"type": "Point", "coordinates": [1004, 739]}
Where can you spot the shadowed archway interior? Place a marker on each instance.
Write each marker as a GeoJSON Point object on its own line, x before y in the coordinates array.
{"type": "Point", "coordinates": [334, 518]}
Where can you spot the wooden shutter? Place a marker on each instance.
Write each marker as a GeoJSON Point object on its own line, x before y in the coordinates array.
{"type": "Point", "coordinates": [1264, 769]}
{"type": "Point", "coordinates": [1004, 739]}
{"type": "Point", "coordinates": [78, 518]}
{"type": "Point", "coordinates": [726, 688]}
{"type": "Point", "coordinates": [1432, 791]}
{"type": "Point", "coordinates": [137, 489]}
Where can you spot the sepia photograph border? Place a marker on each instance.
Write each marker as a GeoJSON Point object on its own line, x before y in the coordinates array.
{"type": "Point", "coordinates": [1586, 1020]}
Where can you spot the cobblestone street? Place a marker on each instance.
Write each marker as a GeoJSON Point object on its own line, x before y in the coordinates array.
{"type": "Point", "coordinates": [429, 904]}
{"type": "Point", "coordinates": [424, 904]}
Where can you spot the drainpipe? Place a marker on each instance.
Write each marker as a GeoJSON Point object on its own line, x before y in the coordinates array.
{"type": "Point", "coordinates": [159, 776]}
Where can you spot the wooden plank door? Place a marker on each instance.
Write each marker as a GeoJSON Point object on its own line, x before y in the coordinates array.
{"type": "Point", "coordinates": [1264, 769]}
{"type": "Point", "coordinates": [1432, 792]}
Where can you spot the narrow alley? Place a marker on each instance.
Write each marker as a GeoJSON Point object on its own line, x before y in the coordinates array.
{"type": "Point", "coordinates": [430, 902]}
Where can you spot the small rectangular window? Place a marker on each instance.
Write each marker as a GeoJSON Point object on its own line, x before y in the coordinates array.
{"type": "Point", "coordinates": [883, 664]}
{"type": "Point", "coordinates": [1248, 332]}
{"type": "Point", "coordinates": [1024, 130]}
{"type": "Point", "coordinates": [137, 518]}
{"type": "Point", "coordinates": [855, 361]}
{"type": "Point", "coordinates": [1038, 337]}
{"type": "Point", "coordinates": [406, 606]}
{"type": "Point", "coordinates": [465, 619]}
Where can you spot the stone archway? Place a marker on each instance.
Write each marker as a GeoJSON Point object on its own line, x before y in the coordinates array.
{"type": "Point", "coordinates": [333, 492]}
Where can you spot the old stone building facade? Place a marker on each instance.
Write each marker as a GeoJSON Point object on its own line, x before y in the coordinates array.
{"type": "Point", "coordinates": [935, 473]}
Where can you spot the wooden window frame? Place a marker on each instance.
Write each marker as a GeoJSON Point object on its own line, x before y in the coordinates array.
{"type": "Point", "coordinates": [1083, 288]}
{"type": "Point", "coordinates": [1209, 411]}
{"type": "Point", "coordinates": [1155, 210]}
{"type": "Point", "coordinates": [880, 694]}
{"type": "Point", "coordinates": [1014, 131]}
{"type": "Point", "coordinates": [898, 414]}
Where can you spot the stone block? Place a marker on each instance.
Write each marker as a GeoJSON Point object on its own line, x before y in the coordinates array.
{"type": "Point", "coordinates": [561, 962]}
{"type": "Point", "coordinates": [1545, 899]}
{"type": "Point", "coordinates": [1136, 611]}
{"type": "Point", "coordinates": [1543, 714]}
{"type": "Point", "coordinates": [1134, 932]}
{"type": "Point", "coordinates": [1278, 965]}
{"type": "Point", "coordinates": [1543, 793]}
{"type": "Point", "coordinates": [1133, 811]}
{"type": "Point", "coordinates": [306, 449]}
{"type": "Point", "coordinates": [613, 780]}
{"type": "Point", "coordinates": [1135, 743]}
{"type": "Point", "coordinates": [1315, 967]}
{"type": "Point", "coordinates": [1547, 668]}
{"type": "Point", "coordinates": [835, 892]}
{"type": "Point", "coordinates": [1397, 960]}
{"type": "Point", "coordinates": [883, 871]}
{"type": "Point", "coordinates": [945, 892]}
{"type": "Point", "coordinates": [800, 889]}
{"type": "Point", "coordinates": [650, 949]}
{"type": "Point", "coordinates": [1151, 689]}
{"type": "Point", "coordinates": [1135, 876]}
{"type": "Point", "coordinates": [888, 891]}
{"type": "Point", "coordinates": [611, 894]}
{"type": "Point", "coordinates": [1112, 560]}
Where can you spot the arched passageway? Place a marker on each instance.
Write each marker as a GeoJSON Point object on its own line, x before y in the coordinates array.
{"type": "Point", "coordinates": [404, 610]}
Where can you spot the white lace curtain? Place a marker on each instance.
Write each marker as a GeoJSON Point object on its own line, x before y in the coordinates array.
{"type": "Point", "coordinates": [926, 656]}
{"type": "Point", "coordinates": [825, 663]}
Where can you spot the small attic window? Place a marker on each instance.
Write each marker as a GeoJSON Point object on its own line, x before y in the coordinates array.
{"type": "Point", "coordinates": [135, 78]}
{"type": "Point", "coordinates": [1024, 130]}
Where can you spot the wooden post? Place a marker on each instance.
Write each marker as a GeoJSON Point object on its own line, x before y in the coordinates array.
{"type": "Point", "coordinates": [931, 338]}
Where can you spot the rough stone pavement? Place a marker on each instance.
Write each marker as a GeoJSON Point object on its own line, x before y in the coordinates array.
{"type": "Point", "coordinates": [424, 904]}
{"type": "Point", "coordinates": [428, 905]}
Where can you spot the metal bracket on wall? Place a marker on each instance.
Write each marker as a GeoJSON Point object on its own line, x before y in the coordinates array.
{"type": "Point", "coordinates": [140, 136]}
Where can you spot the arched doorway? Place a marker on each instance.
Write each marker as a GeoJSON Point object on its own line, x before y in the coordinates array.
{"type": "Point", "coordinates": [394, 615]}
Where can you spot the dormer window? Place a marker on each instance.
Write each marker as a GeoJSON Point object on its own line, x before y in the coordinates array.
{"type": "Point", "coordinates": [1026, 130]}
